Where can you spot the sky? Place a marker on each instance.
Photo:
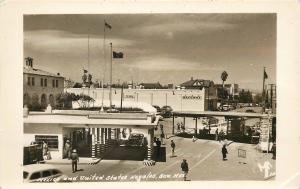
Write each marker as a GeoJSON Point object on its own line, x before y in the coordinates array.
{"type": "Point", "coordinates": [165, 48]}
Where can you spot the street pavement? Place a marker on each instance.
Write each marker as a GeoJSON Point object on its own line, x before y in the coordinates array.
{"type": "Point", "coordinates": [204, 158]}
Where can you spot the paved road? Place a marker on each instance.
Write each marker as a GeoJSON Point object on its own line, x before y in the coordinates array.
{"type": "Point", "coordinates": [204, 158]}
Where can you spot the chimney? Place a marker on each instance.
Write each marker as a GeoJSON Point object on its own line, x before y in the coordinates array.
{"type": "Point", "coordinates": [29, 62]}
{"type": "Point", "coordinates": [192, 78]}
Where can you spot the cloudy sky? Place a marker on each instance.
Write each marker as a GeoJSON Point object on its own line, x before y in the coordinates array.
{"type": "Point", "coordinates": [169, 48]}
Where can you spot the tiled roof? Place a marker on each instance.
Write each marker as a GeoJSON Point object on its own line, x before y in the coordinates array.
{"type": "Point", "coordinates": [39, 72]}
{"type": "Point", "coordinates": [195, 83]}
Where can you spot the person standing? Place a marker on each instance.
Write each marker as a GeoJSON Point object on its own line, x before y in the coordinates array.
{"type": "Point", "coordinates": [74, 159]}
{"type": "Point", "coordinates": [67, 149]}
{"type": "Point", "coordinates": [224, 152]}
{"type": "Point", "coordinates": [217, 133]}
{"type": "Point", "coordinates": [158, 144]}
{"type": "Point", "coordinates": [45, 149]}
{"type": "Point", "coordinates": [184, 168]}
{"type": "Point", "coordinates": [273, 149]}
{"type": "Point", "coordinates": [162, 136]}
{"type": "Point", "coordinates": [173, 147]}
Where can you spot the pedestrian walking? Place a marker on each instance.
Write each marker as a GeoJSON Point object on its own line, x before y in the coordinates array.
{"type": "Point", "coordinates": [273, 149]}
{"type": "Point", "coordinates": [158, 144]}
{"type": "Point", "coordinates": [161, 127]}
{"type": "Point", "coordinates": [184, 168]}
{"type": "Point", "coordinates": [217, 133]}
{"type": "Point", "coordinates": [173, 147]}
{"type": "Point", "coordinates": [224, 152]}
{"type": "Point", "coordinates": [74, 159]}
{"type": "Point", "coordinates": [162, 136]}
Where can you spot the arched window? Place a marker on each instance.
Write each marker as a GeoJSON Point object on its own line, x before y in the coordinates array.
{"type": "Point", "coordinates": [35, 102]}
{"type": "Point", "coordinates": [51, 100]}
{"type": "Point", "coordinates": [43, 101]}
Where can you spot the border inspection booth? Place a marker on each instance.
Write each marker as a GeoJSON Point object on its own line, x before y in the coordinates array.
{"type": "Point", "coordinates": [93, 134]}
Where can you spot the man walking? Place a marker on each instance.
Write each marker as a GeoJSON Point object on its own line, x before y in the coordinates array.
{"type": "Point", "coordinates": [158, 144]}
{"type": "Point", "coordinates": [184, 168]}
{"type": "Point", "coordinates": [74, 159]}
{"type": "Point", "coordinates": [173, 147]}
{"type": "Point", "coordinates": [224, 152]}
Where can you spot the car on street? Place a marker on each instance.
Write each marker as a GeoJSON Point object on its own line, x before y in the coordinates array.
{"type": "Point", "coordinates": [42, 173]}
{"type": "Point", "coordinates": [166, 111]}
{"type": "Point", "coordinates": [135, 139]}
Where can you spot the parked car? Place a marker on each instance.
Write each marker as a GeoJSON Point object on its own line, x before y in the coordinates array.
{"type": "Point", "coordinates": [135, 139]}
{"type": "Point", "coordinates": [42, 173]}
{"type": "Point", "coordinates": [166, 111]}
{"type": "Point", "coordinates": [250, 111]}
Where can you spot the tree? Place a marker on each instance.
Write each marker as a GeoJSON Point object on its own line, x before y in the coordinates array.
{"type": "Point", "coordinates": [90, 79]}
{"type": "Point", "coordinates": [64, 100]}
{"type": "Point", "coordinates": [224, 76]}
{"type": "Point", "coordinates": [245, 96]}
{"type": "Point", "coordinates": [84, 78]}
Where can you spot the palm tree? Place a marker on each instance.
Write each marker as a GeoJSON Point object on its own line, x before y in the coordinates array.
{"type": "Point", "coordinates": [224, 76]}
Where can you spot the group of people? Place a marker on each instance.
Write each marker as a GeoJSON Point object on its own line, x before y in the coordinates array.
{"type": "Point", "coordinates": [180, 127]}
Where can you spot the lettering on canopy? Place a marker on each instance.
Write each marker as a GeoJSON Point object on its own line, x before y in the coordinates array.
{"type": "Point", "coordinates": [191, 97]}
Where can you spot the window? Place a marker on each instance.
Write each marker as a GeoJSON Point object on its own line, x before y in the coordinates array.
{"type": "Point", "coordinates": [42, 82]}
{"type": "Point", "coordinates": [46, 173]}
{"type": "Point", "coordinates": [55, 172]}
{"type": "Point", "coordinates": [32, 81]}
{"type": "Point", "coordinates": [53, 83]}
{"type": "Point", "coordinates": [36, 175]}
{"type": "Point", "coordinates": [28, 81]}
{"type": "Point", "coordinates": [45, 82]}
{"type": "Point", "coordinates": [56, 83]}
{"type": "Point", "coordinates": [51, 140]}
{"type": "Point", "coordinates": [25, 174]}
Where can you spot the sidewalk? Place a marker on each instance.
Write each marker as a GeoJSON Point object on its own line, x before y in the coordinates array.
{"type": "Point", "coordinates": [82, 161]}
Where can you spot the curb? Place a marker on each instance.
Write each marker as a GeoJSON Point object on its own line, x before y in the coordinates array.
{"type": "Point", "coordinates": [149, 162]}
{"type": "Point", "coordinates": [94, 162]}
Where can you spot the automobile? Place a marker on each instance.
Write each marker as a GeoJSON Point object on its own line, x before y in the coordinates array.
{"type": "Point", "coordinates": [135, 139]}
{"type": "Point", "coordinates": [158, 110]}
{"type": "Point", "coordinates": [112, 110]}
{"type": "Point", "coordinates": [250, 111]}
{"type": "Point", "coordinates": [166, 111]}
{"type": "Point", "coordinates": [42, 173]}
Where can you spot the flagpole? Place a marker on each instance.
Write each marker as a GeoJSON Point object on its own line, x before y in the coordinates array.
{"type": "Point", "coordinates": [89, 67]}
{"type": "Point", "coordinates": [263, 92]}
{"type": "Point", "coordinates": [104, 57]}
{"type": "Point", "coordinates": [110, 80]}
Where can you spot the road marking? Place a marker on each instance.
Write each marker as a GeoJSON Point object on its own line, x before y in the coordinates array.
{"type": "Point", "coordinates": [169, 166]}
{"type": "Point", "coordinates": [136, 170]}
{"type": "Point", "coordinates": [203, 159]}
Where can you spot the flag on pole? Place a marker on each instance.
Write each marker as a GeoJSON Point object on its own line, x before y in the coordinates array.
{"type": "Point", "coordinates": [107, 25]}
{"type": "Point", "coordinates": [117, 54]}
{"type": "Point", "coordinates": [265, 75]}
